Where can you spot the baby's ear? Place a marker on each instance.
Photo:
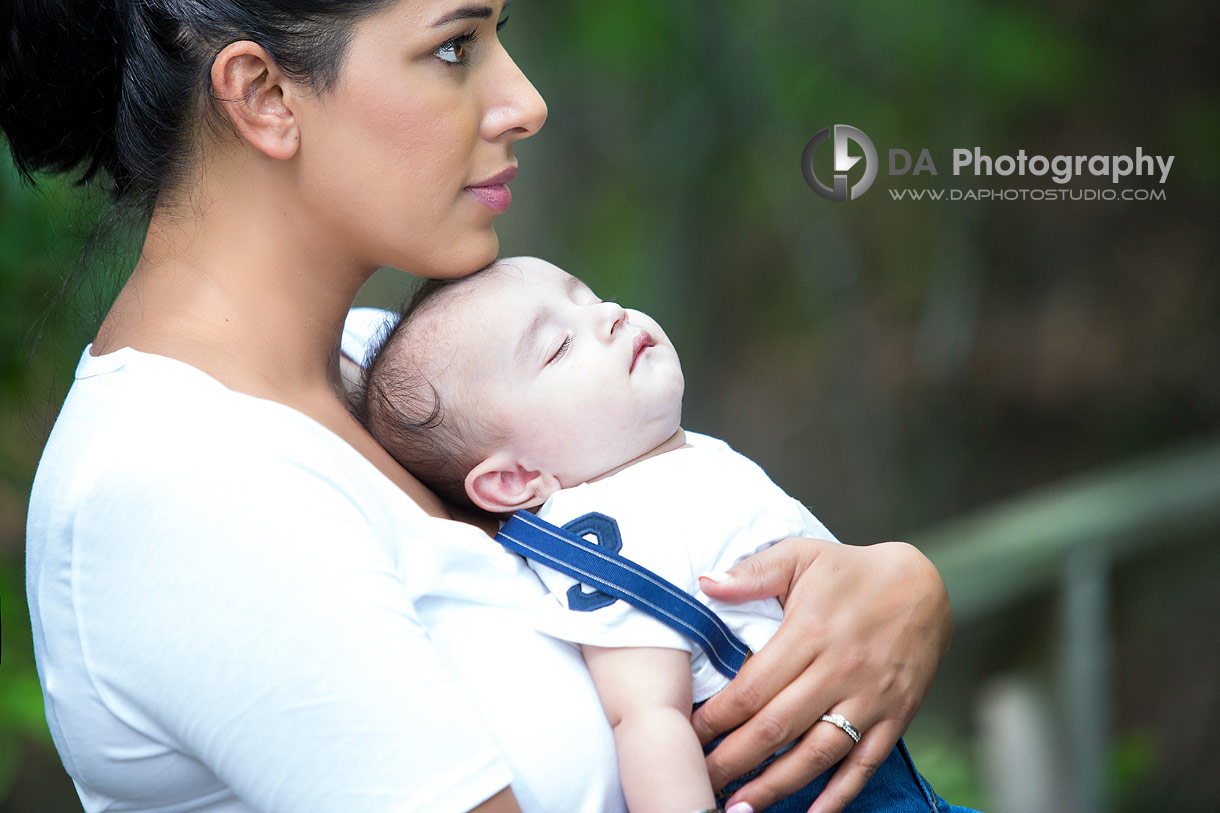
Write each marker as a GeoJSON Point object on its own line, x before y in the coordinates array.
{"type": "Point", "coordinates": [501, 485]}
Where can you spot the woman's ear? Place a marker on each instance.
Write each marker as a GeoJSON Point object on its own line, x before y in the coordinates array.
{"type": "Point", "coordinates": [257, 98]}
{"type": "Point", "coordinates": [501, 485]}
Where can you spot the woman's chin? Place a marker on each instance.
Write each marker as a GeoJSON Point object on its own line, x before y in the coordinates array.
{"type": "Point", "coordinates": [460, 258]}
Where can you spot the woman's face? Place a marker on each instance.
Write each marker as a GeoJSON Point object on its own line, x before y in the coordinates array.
{"type": "Point", "coordinates": [405, 158]}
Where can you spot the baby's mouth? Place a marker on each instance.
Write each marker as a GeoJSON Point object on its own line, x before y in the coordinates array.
{"type": "Point", "coordinates": [643, 341]}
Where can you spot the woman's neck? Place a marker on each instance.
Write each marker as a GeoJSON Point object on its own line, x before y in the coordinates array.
{"type": "Point", "coordinates": [238, 284]}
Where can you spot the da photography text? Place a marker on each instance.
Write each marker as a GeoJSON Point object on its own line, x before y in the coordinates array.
{"type": "Point", "coordinates": [850, 146]}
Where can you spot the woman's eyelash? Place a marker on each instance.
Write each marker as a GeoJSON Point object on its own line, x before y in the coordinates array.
{"type": "Point", "coordinates": [563, 348]}
{"type": "Point", "coordinates": [458, 44]}
{"type": "Point", "coordinates": [457, 47]}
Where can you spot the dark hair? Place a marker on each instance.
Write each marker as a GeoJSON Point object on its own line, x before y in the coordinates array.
{"type": "Point", "coordinates": [121, 87]}
{"type": "Point", "coordinates": [402, 409]}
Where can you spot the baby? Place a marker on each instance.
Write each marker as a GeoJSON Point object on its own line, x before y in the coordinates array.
{"type": "Point", "coordinates": [517, 388]}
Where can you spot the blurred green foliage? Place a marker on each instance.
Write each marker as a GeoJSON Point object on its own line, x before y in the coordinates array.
{"type": "Point", "coordinates": [893, 363]}
{"type": "Point", "coordinates": [21, 714]}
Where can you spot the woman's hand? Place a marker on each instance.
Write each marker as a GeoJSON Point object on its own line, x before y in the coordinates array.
{"type": "Point", "coordinates": [864, 631]}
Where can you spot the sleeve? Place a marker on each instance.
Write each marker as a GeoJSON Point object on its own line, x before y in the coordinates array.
{"type": "Point", "coordinates": [614, 623]}
{"type": "Point", "coordinates": [254, 621]}
{"type": "Point", "coordinates": [583, 615]}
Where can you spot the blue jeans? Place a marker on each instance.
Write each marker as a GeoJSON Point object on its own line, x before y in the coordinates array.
{"type": "Point", "coordinates": [896, 787]}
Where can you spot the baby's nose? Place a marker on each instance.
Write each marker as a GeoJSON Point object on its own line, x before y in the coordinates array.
{"type": "Point", "coordinates": [616, 317]}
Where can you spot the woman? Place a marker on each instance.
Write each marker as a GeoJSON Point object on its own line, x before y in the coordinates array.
{"type": "Point", "coordinates": [239, 600]}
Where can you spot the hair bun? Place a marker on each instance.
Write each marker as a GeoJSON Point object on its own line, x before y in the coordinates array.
{"type": "Point", "coordinates": [119, 86]}
{"type": "Point", "coordinates": [60, 84]}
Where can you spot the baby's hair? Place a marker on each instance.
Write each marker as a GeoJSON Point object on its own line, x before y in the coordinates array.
{"type": "Point", "coordinates": [401, 407]}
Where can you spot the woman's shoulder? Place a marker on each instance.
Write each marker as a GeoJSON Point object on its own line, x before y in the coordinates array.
{"type": "Point", "coordinates": [155, 468]}
{"type": "Point", "coordinates": [144, 407]}
{"type": "Point", "coordinates": [147, 429]}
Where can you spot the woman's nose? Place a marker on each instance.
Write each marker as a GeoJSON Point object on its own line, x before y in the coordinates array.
{"type": "Point", "coordinates": [516, 110]}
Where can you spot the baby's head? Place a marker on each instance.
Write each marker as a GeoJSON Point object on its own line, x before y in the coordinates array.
{"type": "Point", "coordinates": [505, 386]}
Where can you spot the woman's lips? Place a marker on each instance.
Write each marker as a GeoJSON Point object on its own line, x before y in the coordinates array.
{"type": "Point", "coordinates": [493, 192]}
{"type": "Point", "coordinates": [643, 341]}
{"type": "Point", "coordinates": [496, 198]}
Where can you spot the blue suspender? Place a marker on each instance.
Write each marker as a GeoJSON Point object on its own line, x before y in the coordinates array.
{"type": "Point", "coordinates": [590, 564]}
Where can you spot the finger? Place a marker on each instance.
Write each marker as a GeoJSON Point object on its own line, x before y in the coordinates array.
{"type": "Point", "coordinates": [860, 765]}
{"type": "Point", "coordinates": [791, 771]}
{"type": "Point", "coordinates": [788, 716]}
{"type": "Point", "coordinates": [818, 751]}
{"type": "Point", "coordinates": [793, 649]}
{"type": "Point", "coordinates": [770, 572]}
{"type": "Point", "coordinates": [765, 674]}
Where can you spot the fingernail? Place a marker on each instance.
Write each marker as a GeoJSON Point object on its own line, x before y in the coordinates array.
{"type": "Point", "coordinates": [740, 807]}
{"type": "Point", "coordinates": [716, 578]}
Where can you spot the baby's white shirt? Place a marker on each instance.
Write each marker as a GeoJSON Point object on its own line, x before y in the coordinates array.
{"type": "Point", "coordinates": [692, 511]}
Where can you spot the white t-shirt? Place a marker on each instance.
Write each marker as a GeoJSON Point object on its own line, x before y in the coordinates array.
{"type": "Point", "coordinates": [234, 610]}
{"type": "Point", "coordinates": [689, 512]}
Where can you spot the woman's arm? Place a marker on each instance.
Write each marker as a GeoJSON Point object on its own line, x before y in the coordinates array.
{"type": "Point", "coordinates": [864, 631]}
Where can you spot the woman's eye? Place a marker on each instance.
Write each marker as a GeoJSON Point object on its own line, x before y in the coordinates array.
{"type": "Point", "coordinates": [456, 50]}
{"type": "Point", "coordinates": [563, 348]}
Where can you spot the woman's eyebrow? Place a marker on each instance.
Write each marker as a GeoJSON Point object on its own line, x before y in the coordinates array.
{"type": "Point", "coordinates": [465, 13]}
